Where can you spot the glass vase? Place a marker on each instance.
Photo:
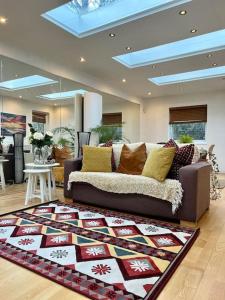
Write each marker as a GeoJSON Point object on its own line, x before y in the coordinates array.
{"type": "Point", "coordinates": [41, 155]}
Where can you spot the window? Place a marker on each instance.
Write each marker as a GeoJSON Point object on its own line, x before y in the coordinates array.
{"type": "Point", "coordinates": [113, 120]}
{"type": "Point", "coordinates": [85, 17]}
{"type": "Point", "coordinates": [39, 120]}
{"type": "Point", "coordinates": [188, 120]}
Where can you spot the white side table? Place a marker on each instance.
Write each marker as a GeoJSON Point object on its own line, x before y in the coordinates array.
{"type": "Point", "coordinates": [45, 190]}
{"type": "Point", "coordinates": [46, 166]}
{"type": "Point", "coordinates": [2, 176]}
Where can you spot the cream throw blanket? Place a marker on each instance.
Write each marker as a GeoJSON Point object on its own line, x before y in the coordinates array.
{"type": "Point", "coordinates": [169, 190]}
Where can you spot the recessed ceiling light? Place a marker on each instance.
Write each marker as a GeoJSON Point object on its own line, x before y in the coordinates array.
{"type": "Point", "coordinates": [124, 80]}
{"type": "Point", "coordinates": [112, 34]}
{"type": "Point", "coordinates": [128, 48]}
{"type": "Point", "coordinates": [3, 20]}
{"type": "Point", "coordinates": [182, 12]}
{"type": "Point", "coordinates": [149, 93]}
{"type": "Point", "coordinates": [214, 64]}
{"type": "Point", "coordinates": [194, 30]}
{"type": "Point", "coordinates": [82, 59]}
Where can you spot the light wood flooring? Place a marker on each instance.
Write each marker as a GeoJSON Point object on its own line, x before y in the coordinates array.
{"type": "Point", "coordinates": [200, 276]}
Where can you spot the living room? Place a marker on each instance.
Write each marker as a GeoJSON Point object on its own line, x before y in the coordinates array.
{"type": "Point", "coordinates": [112, 166]}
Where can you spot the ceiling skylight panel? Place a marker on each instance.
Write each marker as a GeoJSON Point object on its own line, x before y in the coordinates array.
{"type": "Point", "coordinates": [189, 76]}
{"type": "Point", "coordinates": [213, 41]}
{"type": "Point", "coordinates": [62, 95]}
{"type": "Point", "coordinates": [26, 82]}
{"type": "Point", "coordinates": [86, 17]}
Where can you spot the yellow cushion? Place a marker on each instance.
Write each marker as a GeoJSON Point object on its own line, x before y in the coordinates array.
{"type": "Point", "coordinates": [58, 173]}
{"type": "Point", "coordinates": [158, 163]}
{"type": "Point", "coordinates": [97, 159]}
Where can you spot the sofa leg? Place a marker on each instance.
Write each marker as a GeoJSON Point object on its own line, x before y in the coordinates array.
{"type": "Point", "coordinates": [189, 224]}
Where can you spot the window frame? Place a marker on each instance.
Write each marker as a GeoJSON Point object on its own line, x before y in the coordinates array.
{"type": "Point", "coordinates": [183, 112]}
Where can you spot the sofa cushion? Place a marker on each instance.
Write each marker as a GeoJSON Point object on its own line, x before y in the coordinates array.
{"type": "Point", "coordinates": [132, 162]}
{"type": "Point", "coordinates": [183, 157]}
{"type": "Point", "coordinates": [158, 163]}
{"type": "Point", "coordinates": [97, 159]}
{"type": "Point", "coordinates": [117, 149]}
{"type": "Point", "coordinates": [110, 144]}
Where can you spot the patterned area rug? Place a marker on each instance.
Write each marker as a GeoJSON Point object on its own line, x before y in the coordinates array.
{"type": "Point", "coordinates": [98, 253]}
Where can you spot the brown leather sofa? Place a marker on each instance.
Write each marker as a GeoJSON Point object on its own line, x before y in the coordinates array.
{"type": "Point", "coordinates": [195, 180]}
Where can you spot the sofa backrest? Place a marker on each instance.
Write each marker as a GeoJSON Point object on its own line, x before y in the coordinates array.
{"type": "Point", "coordinates": [117, 148]}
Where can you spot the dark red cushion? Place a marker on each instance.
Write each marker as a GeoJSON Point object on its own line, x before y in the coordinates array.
{"type": "Point", "coordinates": [109, 144]}
{"type": "Point", "coordinates": [183, 157]}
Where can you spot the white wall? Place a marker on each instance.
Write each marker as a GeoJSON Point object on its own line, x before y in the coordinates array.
{"type": "Point", "coordinates": [63, 116]}
{"type": "Point", "coordinates": [130, 115]}
{"type": "Point", "coordinates": [155, 119]}
{"type": "Point", "coordinates": [22, 107]}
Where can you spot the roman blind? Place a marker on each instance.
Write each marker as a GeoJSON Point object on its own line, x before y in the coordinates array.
{"type": "Point", "coordinates": [112, 118]}
{"type": "Point", "coordinates": [39, 117]}
{"type": "Point", "coordinates": [188, 114]}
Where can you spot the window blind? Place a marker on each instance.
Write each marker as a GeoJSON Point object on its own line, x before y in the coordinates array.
{"type": "Point", "coordinates": [188, 114]}
{"type": "Point", "coordinates": [39, 117]}
{"type": "Point", "coordinates": [112, 118]}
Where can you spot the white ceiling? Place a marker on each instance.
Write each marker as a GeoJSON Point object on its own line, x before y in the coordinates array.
{"type": "Point", "coordinates": [13, 69]}
{"type": "Point", "coordinates": [42, 42]}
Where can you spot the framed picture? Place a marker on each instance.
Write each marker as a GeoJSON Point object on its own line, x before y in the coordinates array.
{"type": "Point", "coordinates": [11, 123]}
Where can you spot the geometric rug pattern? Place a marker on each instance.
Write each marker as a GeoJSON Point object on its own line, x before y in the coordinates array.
{"type": "Point", "coordinates": [99, 253]}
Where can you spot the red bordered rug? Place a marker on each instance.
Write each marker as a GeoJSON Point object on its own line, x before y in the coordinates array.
{"type": "Point", "coordinates": [95, 252]}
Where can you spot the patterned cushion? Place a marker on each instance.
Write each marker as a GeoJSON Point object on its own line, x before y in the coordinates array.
{"type": "Point", "coordinates": [183, 157]}
{"type": "Point", "coordinates": [109, 144]}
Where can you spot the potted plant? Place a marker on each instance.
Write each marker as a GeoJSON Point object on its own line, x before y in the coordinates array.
{"type": "Point", "coordinates": [185, 139]}
{"type": "Point", "coordinates": [68, 136]}
{"type": "Point", "coordinates": [108, 132]}
{"type": "Point", "coordinates": [42, 143]}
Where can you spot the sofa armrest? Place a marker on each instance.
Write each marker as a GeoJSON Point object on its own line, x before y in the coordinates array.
{"type": "Point", "coordinates": [195, 180]}
{"type": "Point", "coordinates": [70, 166]}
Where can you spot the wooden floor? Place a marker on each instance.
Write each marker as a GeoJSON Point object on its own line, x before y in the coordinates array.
{"type": "Point", "coordinates": [201, 275]}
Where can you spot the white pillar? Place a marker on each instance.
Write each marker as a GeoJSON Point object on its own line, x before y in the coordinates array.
{"type": "Point", "coordinates": [92, 113]}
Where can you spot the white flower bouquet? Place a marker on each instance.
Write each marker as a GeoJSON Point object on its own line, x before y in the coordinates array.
{"type": "Point", "coordinates": [39, 139]}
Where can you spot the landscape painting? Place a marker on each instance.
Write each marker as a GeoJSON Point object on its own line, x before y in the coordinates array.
{"type": "Point", "coordinates": [11, 123]}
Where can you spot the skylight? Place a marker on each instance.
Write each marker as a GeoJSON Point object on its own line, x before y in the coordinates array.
{"type": "Point", "coordinates": [25, 82]}
{"type": "Point", "coordinates": [86, 17]}
{"type": "Point", "coordinates": [189, 76]}
{"type": "Point", "coordinates": [201, 44]}
{"type": "Point", "coordinates": [62, 95]}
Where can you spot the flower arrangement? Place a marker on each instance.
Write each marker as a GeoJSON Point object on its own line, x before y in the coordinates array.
{"type": "Point", "coordinates": [39, 139]}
